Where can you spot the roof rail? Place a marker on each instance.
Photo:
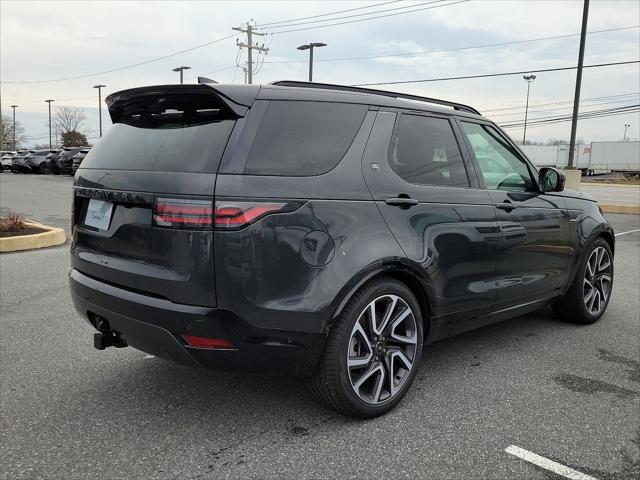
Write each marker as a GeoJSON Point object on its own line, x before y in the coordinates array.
{"type": "Point", "coordinates": [406, 96]}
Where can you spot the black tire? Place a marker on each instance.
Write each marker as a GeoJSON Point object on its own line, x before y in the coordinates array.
{"type": "Point", "coordinates": [44, 168]}
{"type": "Point", "coordinates": [573, 305]}
{"type": "Point", "coordinates": [332, 383]}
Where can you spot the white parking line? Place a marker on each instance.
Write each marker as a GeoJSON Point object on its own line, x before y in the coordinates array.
{"type": "Point", "coordinates": [630, 231]}
{"type": "Point", "coordinates": [547, 464]}
{"type": "Point", "coordinates": [149, 356]}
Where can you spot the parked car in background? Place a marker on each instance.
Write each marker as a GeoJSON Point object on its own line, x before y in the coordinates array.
{"type": "Point", "coordinates": [37, 161]}
{"type": "Point", "coordinates": [18, 162]}
{"type": "Point", "coordinates": [321, 230]}
{"type": "Point", "coordinates": [5, 160]}
{"type": "Point", "coordinates": [52, 159]}
{"type": "Point", "coordinates": [77, 159]}
{"type": "Point", "coordinates": [65, 160]}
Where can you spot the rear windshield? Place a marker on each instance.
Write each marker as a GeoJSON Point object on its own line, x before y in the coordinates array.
{"type": "Point", "coordinates": [297, 138]}
{"type": "Point", "coordinates": [196, 148]}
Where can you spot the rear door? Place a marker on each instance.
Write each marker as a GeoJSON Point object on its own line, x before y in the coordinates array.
{"type": "Point", "coordinates": [534, 240]}
{"type": "Point", "coordinates": [143, 197]}
{"type": "Point", "coordinates": [415, 169]}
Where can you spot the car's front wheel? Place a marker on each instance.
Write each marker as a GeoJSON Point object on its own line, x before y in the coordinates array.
{"type": "Point", "coordinates": [588, 297]}
{"type": "Point", "coordinates": [373, 351]}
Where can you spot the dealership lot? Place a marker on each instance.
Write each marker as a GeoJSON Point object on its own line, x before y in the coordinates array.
{"type": "Point", "coordinates": [568, 393]}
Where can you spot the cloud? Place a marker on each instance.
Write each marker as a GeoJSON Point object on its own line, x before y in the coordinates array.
{"type": "Point", "coordinates": [74, 38]}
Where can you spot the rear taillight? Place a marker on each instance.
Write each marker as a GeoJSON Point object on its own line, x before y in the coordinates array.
{"type": "Point", "coordinates": [208, 342]}
{"type": "Point", "coordinates": [183, 213]}
{"type": "Point", "coordinates": [230, 215]}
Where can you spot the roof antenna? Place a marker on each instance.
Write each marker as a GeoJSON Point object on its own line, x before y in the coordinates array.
{"type": "Point", "coordinates": [206, 80]}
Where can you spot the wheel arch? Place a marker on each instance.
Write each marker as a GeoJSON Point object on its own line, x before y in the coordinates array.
{"type": "Point", "coordinates": [398, 269]}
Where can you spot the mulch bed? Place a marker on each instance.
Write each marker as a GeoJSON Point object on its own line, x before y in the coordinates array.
{"type": "Point", "coordinates": [24, 231]}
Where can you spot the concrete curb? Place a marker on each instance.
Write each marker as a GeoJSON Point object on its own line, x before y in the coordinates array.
{"type": "Point", "coordinates": [616, 185]}
{"type": "Point", "coordinates": [52, 236]}
{"type": "Point", "coordinates": [611, 208]}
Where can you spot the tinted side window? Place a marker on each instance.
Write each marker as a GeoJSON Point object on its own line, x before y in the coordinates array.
{"type": "Point", "coordinates": [501, 166]}
{"type": "Point", "coordinates": [424, 151]}
{"type": "Point", "coordinates": [303, 138]}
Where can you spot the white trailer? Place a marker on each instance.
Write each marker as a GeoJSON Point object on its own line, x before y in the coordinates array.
{"type": "Point", "coordinates": [609, 157]}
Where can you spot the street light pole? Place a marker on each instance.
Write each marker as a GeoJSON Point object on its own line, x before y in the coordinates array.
{"type": "Point", "coordinates": [49, 102]}
{"type": "Point", "coordinates": [528, 79]}
{"type": "Point", "coordinates": [310, 47]}
{"type": "Point", "coordinates": [624, 137]}
{"type": "Point", "coordinates": [100, 87]}
{"type": "Point", "coordinates": [180, 69]}
{"type": "Point", "coordinates": [14, 125]}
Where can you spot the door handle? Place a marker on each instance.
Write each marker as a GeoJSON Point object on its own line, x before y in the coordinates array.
{"type": "Point", "coordinates": [401, 201]}
{"type": "Point", "coordinates": [506, 206]}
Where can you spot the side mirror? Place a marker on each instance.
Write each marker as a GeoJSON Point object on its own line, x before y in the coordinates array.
{"type": "Point", "coordinates": [551, 180]}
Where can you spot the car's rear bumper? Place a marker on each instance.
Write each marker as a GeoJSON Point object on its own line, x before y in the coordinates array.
{"type": "Point", "coordinates": [155, 325]}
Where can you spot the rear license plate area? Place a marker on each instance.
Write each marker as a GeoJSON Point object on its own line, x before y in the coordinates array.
{"type": "Point", "coordinates": [98, 214]}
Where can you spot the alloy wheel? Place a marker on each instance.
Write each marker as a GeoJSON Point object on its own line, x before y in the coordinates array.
{"type": "Point", "coordinates": [597, 281]}
{"type": "Point", "coordinates": [382, 349]}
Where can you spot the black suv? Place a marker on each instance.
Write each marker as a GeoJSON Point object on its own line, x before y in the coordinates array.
{"type": "Point", "coordinates": [76, 160]}
{"type": "Point", "coordinates": [64, 163]}
{"type": "Point", "coordinates": [320, 230]}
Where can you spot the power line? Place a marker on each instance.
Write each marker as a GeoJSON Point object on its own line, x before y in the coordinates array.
{"type": "Point", "coordinates": [209, 73]}
{"type": "Point", "coordinates": [427, 52]}
{"type": "Point", "coordinates": [486, 109]}
{"type": "Point", "coordinates": [488, 75]}
{"type": "Point", "coordinates": [612, 102]}
{"type": "Point", "coordinates": [580, 117]}
{"type": "Point", "coordinates": [370, 18]}
{"type": "Point", "coordinates": [588, 114]}
{"type": "Point", "coordinates": [264, 25]}
{"type": "Point", "coordinates": [358, 14]}
{"type": "Point", "coordinates": [126, 66]}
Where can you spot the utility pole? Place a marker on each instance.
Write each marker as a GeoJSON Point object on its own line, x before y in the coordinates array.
{"type": "Point", "coordinates": [49, 102]}
{"type": "Point", "coordinates": [576, 98]}
{"type": "Point", "coordinates": [528, 79]}
{"type": "Point", "coordinates": [14, 125]}
{"type": "Point", "coordinates": [100, 87]}
{"type": "Point", "coordinates": [181, 69]}
{"type": "Point", "coordinates": [624, 137]}
{"type": "Point", "coordinates": [310, 47]}
{"type": "Point", "coordinates": [249, 30]}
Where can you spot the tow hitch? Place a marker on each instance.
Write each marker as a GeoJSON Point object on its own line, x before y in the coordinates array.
{"type": "Point", "coordinates": [106, 337]}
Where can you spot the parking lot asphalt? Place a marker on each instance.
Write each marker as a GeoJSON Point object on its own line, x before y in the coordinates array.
{"type": "Point", "coordinates": [613, 194]}
{"type": "Point", "coordinates": [568, 393]}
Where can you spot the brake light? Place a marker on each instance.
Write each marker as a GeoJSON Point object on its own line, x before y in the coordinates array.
{"type": "Point", "coordinates": [207, 342]}
{"type": "Point", "coordinates": [183, 213]}
{"type": "Point", "coordinates": [231, 214]}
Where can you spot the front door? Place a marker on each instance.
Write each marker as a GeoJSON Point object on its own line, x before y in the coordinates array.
{"type": "Point", "coordinates": [534, 239]}
{"type": "Point", "coordinates": [415, 170]}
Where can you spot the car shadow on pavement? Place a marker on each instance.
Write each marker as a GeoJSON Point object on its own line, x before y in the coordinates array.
{"type": "Point", "coordinates": [158, 388]}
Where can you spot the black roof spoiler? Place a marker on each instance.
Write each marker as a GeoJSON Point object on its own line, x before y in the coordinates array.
{"type": "Point", "coordinates": [236, 97]}
{"type": "Point", "coordinates": [370, 91]}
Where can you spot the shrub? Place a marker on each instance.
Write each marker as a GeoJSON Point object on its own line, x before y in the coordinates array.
{"type": "Point", "coordinates": [12, 223]}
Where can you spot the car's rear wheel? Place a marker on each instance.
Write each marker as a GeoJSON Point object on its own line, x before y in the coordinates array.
{"type": "Point", "coordinates": [588, 297]}
{"type": "Point", "coordinates": [373, 351]}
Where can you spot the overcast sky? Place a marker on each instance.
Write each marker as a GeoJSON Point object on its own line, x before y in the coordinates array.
{"type": "Point", "coordinates": [45, 41]}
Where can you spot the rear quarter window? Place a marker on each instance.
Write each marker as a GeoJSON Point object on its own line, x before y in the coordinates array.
{"type": "Point", "coordinates": [299, 138]}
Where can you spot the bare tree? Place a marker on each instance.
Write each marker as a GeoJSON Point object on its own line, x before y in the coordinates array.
{"type": "Point", "coordinates": [6, 132]}
{"type": "Point", "coordinates": [70, 119]}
